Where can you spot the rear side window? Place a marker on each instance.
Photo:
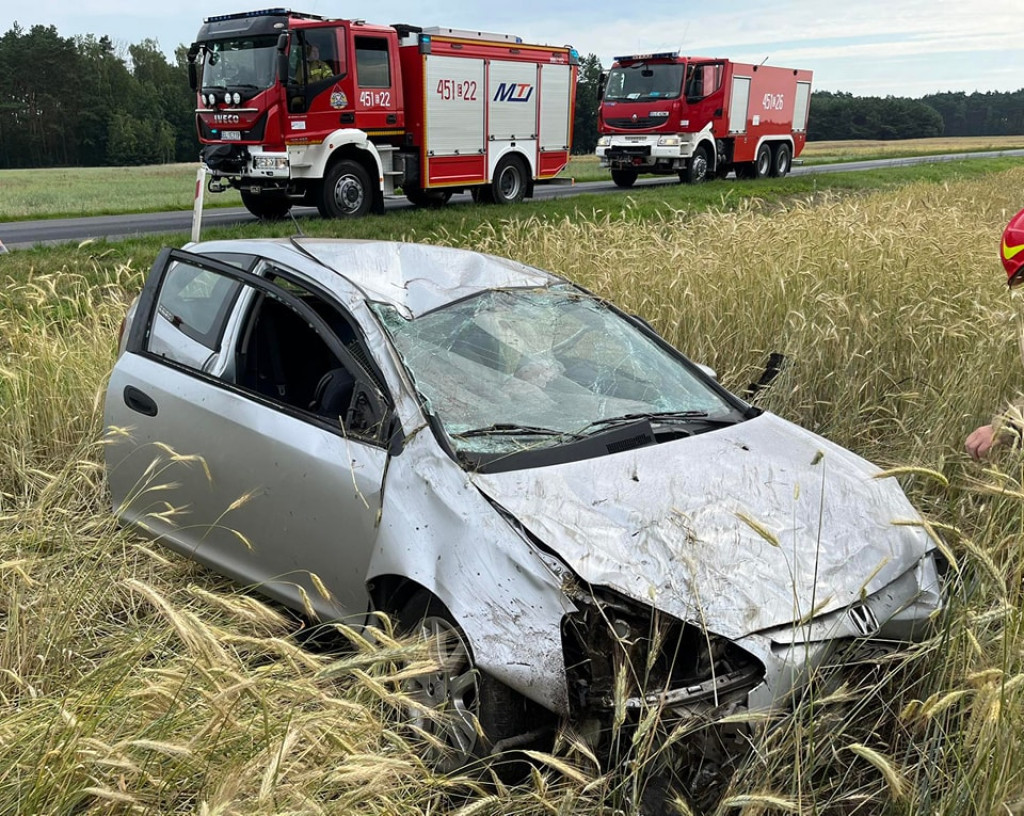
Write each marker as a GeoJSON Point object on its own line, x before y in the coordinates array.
{"type": "Point", "coordinates": [191, 311]}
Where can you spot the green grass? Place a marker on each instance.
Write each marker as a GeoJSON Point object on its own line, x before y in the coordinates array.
{"type": "Point", "coordinates": [83, 191]}
{"type": "Point", "coordinates": [75, 192]}
{"type": "Point", "coordinates": [640, 204]}
{"type": "Point", "coordinates": [132, 680]}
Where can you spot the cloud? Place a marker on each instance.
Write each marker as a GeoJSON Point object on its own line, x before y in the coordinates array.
{"type": "Point", "coordinates": [908, 47]}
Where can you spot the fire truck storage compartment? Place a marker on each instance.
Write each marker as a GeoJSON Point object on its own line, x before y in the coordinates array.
{"type": "Point", "coordinates": [555, 115]}
{"type": "Point", "coordinates": [512, 89]}
{"type": "Point", "coordinates": [739, 104]}
{"type": "Point", "coordinates": [455, 109]}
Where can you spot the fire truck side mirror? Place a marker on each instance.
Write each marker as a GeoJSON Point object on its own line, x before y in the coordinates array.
{"type": "Point", "coordinates": [602, 80]}
{"type": "Point", "coordinates": [282, 57]}
{"type": "Point", "coordinates": [193, 74]}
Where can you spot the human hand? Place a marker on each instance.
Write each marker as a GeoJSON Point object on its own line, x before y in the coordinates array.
{"type": "Point", "coordinates": [980, 441]}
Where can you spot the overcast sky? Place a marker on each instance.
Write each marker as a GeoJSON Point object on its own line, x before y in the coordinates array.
{"type": "Point", "coordinates": [864, 47]}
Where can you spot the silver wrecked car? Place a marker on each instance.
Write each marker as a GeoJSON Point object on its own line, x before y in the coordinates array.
{"type": "Point", "coordinates": [584, 520]}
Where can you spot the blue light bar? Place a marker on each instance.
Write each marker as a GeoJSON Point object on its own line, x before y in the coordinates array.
{"type": "Point", "coordinates": [659, 55]}
{"type": "Point", "coordinates": [274, 12]}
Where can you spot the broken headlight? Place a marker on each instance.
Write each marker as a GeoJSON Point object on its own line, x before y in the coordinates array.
{"type": "Point", "coordinates": [619, 653]}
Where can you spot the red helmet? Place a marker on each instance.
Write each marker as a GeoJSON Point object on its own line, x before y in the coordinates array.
{"type": "Point", "coordinates": [1012, 250]}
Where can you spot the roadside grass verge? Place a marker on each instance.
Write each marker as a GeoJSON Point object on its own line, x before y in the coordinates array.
{"type": "Point", "coordinates": [75, 192]}
{"type": "Point", "coordinates": [642, 203]}
{"type": "Point", "coordinates": [78, 192]}
{"type": "Point", "coordinates": [132, 680]}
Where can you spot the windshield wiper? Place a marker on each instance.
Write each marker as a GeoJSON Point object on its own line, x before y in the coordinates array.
{"type": "Point", "coordinates": [511, 429]}
{"type": "Point", "coordinates": [697, 417]}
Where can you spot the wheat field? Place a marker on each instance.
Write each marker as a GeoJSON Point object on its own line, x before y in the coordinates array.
{"type": "Point", "coordinates": [132, 681]}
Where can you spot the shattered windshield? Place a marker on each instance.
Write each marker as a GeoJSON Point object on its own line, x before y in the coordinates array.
{"type": "Point", "coordinates": [517, 369]}
{"type": "Point", "coordinates": [643, 80]}
{"type": "Point", "coordinates": [248, 62]}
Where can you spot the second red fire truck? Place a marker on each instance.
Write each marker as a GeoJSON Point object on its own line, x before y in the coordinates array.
{"type": "Point", "coordinates": [700, 118]}
{"type": "Point", "coordinates": [337, 114]}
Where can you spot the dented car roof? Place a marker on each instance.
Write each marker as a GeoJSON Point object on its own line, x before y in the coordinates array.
{"type": "Point", "coordinates": [413, 278]}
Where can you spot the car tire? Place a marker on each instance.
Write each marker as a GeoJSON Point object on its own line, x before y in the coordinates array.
{"type": "Point", "coordinates": [763, 162]}
{"type": "Point", "coordinates": [266, 206]}
{"type": "Point", "coordinates": [624, 178]}
{"type": "Point", "coordinates": [346, 191]}
{"type": "Point", "coordinates": [782, 159]}
{"type": "Point", "coordinates": [457, 687]}
{"type": "Point", "coordinates": [509, 183]}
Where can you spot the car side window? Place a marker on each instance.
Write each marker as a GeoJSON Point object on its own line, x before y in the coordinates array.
{"type": "Point", "coordinates": [192, 308]}
{"type": "Point", "coordinates": [284, 358]}
{"type": "Point", "coordinates": [256, 327]}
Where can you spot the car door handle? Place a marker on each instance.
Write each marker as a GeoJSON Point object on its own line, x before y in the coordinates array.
{"type": "Point", "coordinates": [139, 401]}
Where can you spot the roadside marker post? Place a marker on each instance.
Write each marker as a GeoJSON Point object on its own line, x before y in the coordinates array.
{"type": "Point", "coordinates": [197, 205]}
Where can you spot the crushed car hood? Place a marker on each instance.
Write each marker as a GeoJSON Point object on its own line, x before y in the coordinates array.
{"type": "Point", "coordinates": [741, 529]}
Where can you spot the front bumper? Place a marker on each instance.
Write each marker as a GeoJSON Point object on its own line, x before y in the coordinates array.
{"type": "Point", "coordinates": [249, 162]}
{"type": "Point", "coordinates": [667, 152]}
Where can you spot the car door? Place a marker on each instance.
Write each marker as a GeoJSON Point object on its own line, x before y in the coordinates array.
{"type": "Point", "coordinates": [222, 444]}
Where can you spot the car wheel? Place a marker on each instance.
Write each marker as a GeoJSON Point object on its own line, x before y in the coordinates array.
{"type": "Point", "coordinates": [509, 184]}
{"type": "Point", "coordinates": [763, 162]}
{"type": "Point", "coordinates": [461, 697]}
{"type": "Point", "coordinates": [624, 178]}
{"type": "Point", "coordinates": [431, 199]}
{"type": "Point", "coordinates": [268, 206]}
{"type": "Point", "coordinates": [346, 191]}
{"type": "Point", "coordinates": [782, 158]}
{"type": "Point", "coordinates": [696, 171]}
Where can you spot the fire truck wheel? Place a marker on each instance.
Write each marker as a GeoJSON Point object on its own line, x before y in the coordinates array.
{"type": "Point", "coordinates": [763, 162]}
{"type": "Point", "coordinates": [267, 206]}
{"type": "Point", "coordinates": [781, 160]}
{"type": "Point", "coordinates": [696, 171]}
{"type": "Point", "coordinates": [346, 191]}
{"type": "Point", "coordinates": [509, 184]}
{"type": "Point", "coordinates": [624, 178]}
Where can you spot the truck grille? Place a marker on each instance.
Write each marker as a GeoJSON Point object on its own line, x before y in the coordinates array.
{"type": "Point", "coordinates": [639, 123]}
{"type": "Point", "coordinates": [253, 134]}
{"type": "Point", "coordinates": [640, 151]}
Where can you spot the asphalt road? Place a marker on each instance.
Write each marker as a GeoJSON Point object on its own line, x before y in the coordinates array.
{"type": "Point", "coordinates": [25, 234]}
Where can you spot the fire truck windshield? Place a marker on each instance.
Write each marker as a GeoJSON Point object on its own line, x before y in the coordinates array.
{"type": "Point", "coordinates": [250, 63]}
{"type": "Point", "coordinates": [643, 80]}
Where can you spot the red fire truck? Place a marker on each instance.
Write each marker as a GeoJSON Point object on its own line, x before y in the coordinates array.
{"type": "Point", "coordinates": [337, 114]}
{"type": "Point", "coordinates": [700, 118]}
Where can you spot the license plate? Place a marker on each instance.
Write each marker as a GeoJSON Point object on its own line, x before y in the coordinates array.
{"type": "Point", "coordinates": [636, 138]}
{"type": "Point", "coordinates": [231, 135]}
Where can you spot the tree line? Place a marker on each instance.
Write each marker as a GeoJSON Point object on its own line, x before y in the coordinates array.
{"type": "Point", "coordinates": [840, 116]}
{"type": "Point", "coordinates": [84, 101]}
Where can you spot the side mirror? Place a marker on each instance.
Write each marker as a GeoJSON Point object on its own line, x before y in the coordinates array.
{"type": "Point", "coordinates": [193, 73]}
{"type": "Point", "coordinates": [282, 57]}
{"type": "Point", "coordinates": [602, 81]}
